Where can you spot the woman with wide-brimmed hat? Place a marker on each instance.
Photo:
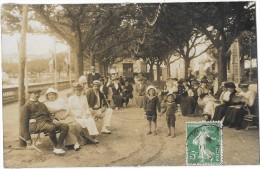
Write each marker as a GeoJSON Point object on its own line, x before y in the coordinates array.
{"type": "Point", "coordinates": [79, 109]}
{"type": "Point", "coordinates": [220, 111]}
{"type": "Point", "coordinates": [57, 106]}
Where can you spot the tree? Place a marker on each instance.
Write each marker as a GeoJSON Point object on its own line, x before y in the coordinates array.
{"type": "Point", "coordinates": [221, 23]}
{"type": "Point", "coordinates": [38, 66]}
{"type": "Point", "coordinates": [22, 60]}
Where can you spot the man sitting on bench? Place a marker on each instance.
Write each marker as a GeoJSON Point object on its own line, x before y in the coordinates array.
{"type": "Point", "coordinates": [100, 108]}
{"type": "Point", "coordinates": [36, 118]}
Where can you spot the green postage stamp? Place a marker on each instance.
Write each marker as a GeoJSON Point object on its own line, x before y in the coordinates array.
{"type": "Point", "coordinates": [204, 143]}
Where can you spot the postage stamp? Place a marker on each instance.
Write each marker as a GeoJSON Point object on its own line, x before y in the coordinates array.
{"type": "Point", "coordinates": [204, 143]}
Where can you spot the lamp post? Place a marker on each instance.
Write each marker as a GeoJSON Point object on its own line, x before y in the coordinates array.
{"type": "Point", "coordinates": [55, 67]}
{"type": "Point", "coordinates": [69, 65]}
{"type": "Point", "coordinates": [250, 60]}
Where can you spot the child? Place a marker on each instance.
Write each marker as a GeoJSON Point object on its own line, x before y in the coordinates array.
{"type": "Point", "coordinates": [170, 108]}
{"type": "Point", "coordinates": [151, 104]}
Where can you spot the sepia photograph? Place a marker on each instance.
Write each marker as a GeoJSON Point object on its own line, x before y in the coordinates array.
{"type": "Point", "coordinates": [103, 84]}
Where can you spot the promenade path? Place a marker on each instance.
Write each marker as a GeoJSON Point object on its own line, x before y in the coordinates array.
{"type": "Point", "coordinates": [128, 145]}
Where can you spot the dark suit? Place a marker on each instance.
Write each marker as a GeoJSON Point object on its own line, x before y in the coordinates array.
{"type": "Point", "coordinates": [92, 99]}
{"type": "Point", "coordinates": [43, 122]}
{"type": "Point", "coordinates": [91, 78]}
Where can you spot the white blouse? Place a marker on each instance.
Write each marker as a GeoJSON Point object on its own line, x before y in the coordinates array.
{"type": "Point", "coordinates": [78, 106]}
{"type": "Point", "coordinates": [56, 105]}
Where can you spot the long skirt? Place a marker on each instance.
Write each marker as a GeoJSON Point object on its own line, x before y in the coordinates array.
{"type": "Point", "coordinates": [88, 123]}
{"type": "Point", "coordinates": [220, 112]}
{"type": "Point", "coordinates": [234, 117]}
{"type": "Point", "coordinates": [73, 135]}
{"type": "Point", "coordinates": [187, 105]}
{"type": "Point", "coordinates": [210, 107]}
{"type": "Point", "coordinates": [118, 100]}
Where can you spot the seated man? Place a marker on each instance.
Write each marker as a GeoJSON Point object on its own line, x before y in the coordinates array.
{"type": "Point", "coordinates": [98, 103]}
{"type": "Point", "coordinates": [35, 118]}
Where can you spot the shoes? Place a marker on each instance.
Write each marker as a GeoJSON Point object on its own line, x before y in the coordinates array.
{"type": "Point", "coordinates": [58, 151]}
{"type": "Point", "coordinates": [76, 147]}
{"type": "Point", "coordinates": [155, 133]}
{"type": "Point", "coordinates": [173, 135]}
{"type": "Point", "coordinates": [105, 131]}
{"type": "Point", "coordinates": [169, 134]}
{"type": "Point", "coordinates": [96, 141]}
{"type": "Point", "coordinates": [149, 133]}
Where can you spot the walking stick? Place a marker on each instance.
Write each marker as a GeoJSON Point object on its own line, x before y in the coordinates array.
{"type": "Point", "coordinates": [32, 146]}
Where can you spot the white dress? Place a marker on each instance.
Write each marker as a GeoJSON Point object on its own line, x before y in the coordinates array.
{"type": "Point", "coordinates": [79, 109]}
{"type": "Point", "coordinates": [58, 107]}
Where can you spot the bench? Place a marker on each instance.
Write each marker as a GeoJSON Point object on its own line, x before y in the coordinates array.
{"type": "Point", "coordinates": [252, 118]}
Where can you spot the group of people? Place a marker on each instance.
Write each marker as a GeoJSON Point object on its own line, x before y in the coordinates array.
{"type": "Point", "coordinates": [94, 97]}
{"type": "Point", "coordinates": [117, 90]}
{"type": "Point", "coordinates": [74, 119]}
{"type": "Point", "coordinates": [196, 98]}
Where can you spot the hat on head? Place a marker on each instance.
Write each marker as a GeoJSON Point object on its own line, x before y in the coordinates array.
{"type": "Point", "coordinates": [51, 90]}
{"type": "Point", "coordinates": [171, 94]}
{"type": "Point", "coordinates": [92, 67]}
{"type": "Point", "coordinates": [77, 86]}
{"type": "Point", "coordinates": [243, 85]}
{"type": "Point", "coordinates": [151, 87]}
{"type": "Point", "coordinates": [174, 79]}
{"type": "Point", "coordinates": [34, 91]}
{"type": "Point", "coordinates": [96, 82]}
{"type": "Point", "coordinates": [83, 79]}
{"type": "Point", "coordinates": [230, 85]}
{"type": "Point", "coordinates": [204, 81]}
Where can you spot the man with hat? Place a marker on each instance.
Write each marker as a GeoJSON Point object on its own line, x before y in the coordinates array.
{"type": "Point", "coordinates": [35, 118]}
{"type": "Point", "coordinates": [92, 76]}
{"type": "Point", "coordinates": [99, 105]}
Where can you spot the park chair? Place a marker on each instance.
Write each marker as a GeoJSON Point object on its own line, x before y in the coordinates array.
{"type": "Point", "coordinates": [252, 118]}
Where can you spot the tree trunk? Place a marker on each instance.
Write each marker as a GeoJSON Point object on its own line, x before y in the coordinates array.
{"type": "Point", "coordinates": [92, 59]}
{"type": "Point", "coordinates": [79, 62]}
{"type": "Point", "coordinates": [222, 66]}
{"type": "Point", "coordinates": [151, 72]}
{"type": "Point", "coordinates": [100, 67]}
{"type": "Point", "coordinates": [158, 71]}
{"type": "Point", "coordinates": [168, 67]}
{"type": "Point", "coordinates": [22, 61]}
{"type": "Point", "coordinates": [242, 66]}
{"type": "Point", "coordinates": [186, 67]}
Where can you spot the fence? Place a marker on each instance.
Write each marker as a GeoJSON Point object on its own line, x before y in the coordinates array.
{"type": "Point", "coordinates": [10, 94]}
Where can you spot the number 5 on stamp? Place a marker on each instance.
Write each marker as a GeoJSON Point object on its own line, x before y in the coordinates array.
{"type": "Point", "coordinates": [204, 143]}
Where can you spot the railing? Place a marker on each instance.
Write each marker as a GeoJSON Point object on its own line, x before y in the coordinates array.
{"type": "Point", "coordinates": [10, 94]}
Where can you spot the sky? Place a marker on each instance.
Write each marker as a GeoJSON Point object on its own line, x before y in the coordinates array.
{"type": "Point", "coordinates": [37, 45]}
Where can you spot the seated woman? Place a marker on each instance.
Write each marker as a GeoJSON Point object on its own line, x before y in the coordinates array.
{"type": "Point", "coordinates": [220, 110]}
{"type": "Point", "coordinates": [78, 108]}
{"type": "Point", "coordinates": [244, 104]}
{"type": "Point", "coordinates": [211, 102]}
{"type": "Point", "coordinates": [57, 106]}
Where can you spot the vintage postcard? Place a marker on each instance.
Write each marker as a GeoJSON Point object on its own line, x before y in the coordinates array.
{"type": "Point", "coordinates": [160, 83]}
